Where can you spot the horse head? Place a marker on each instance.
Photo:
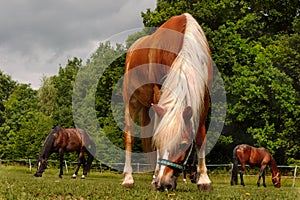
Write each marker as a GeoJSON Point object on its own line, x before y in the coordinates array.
{"type": "Point", "coordinates": [276, 180]}
{"type": "Point", "coordinates": [172, 158]}
{"type": "Point", "coordinates": [41, 166]}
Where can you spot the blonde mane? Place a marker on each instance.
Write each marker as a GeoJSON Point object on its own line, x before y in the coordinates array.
{"type": "Point", "coordinates": [185, 85]}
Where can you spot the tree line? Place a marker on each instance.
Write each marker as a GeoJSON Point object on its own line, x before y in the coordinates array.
{"type": "Point", "coordinates": [255, 46]}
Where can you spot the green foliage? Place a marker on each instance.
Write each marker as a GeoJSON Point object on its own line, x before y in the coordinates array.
{"type": "Point", "coordinates": [255, 46]}
{"type": "Point", "coordinates": [23, 125]}
{"type": "Point", "coordinates": [63, 84]}
{"type": "Point", "coordinates": [6, 87]}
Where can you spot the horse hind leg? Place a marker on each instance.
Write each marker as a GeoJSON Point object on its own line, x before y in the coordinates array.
{"type": "Point", "coordinates": [61, 163]}
{"type": "Point", "coordinates": [83, 163]}
{"type": "Point", "coordinates": [128, 178]}
{"type": "Point", "coordinates": [130, 118]}
{"type": "Point", "coordinates": [87, 167]}
{"type": "Point", "coordinates": [79, 161]}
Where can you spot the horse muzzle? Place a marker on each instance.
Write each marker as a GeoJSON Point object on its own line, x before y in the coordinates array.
{"type": "Point", "coordinates": [277, 185]}
{"type": "Point", "coordinates": [37, 174]}
{"type": "Point", "coordinates": [163, 184]}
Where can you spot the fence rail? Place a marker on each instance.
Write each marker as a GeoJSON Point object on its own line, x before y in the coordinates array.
{"type": "Point", "coordinates": [139, 167]}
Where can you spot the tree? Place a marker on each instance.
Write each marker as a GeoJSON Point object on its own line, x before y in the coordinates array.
{"type": "Point", "coordinates": [6, 87]}
{"type": "Point", "coordinates": [63, 84]}
{"type": "Point", "coordinates": [255, 46]}
{"type": "Point", "coordinates": [47, 96]}
{"type": "Point", "coordinates": [22, 132]}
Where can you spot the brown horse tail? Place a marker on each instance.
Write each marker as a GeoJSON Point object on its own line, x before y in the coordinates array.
{"type": "Point", "coordinates": [91, 151]}
{"type": "Point", "coordinates": [234, 172]}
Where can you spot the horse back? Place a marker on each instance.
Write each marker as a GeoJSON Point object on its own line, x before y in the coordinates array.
{"type": "Point", "coordinates": [252, 155]}
{"type": "Point", "coordinates": [260, 156]}
{"type": "Point", "coordinates": [163, 45]}
{"type": "Point", "coordinates": [68, 139]}
{"type": "Point", "coordinates": [155, 55]}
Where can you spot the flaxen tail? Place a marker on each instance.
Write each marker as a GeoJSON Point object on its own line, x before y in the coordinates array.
{"type": "Point", "coordinates": [234, 172]}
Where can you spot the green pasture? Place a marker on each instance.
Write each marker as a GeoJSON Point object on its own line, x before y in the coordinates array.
{"type": "Point", "coordinates": [17, 182]}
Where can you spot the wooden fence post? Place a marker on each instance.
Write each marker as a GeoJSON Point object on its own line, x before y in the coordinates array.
{"type": "Point", "coordinates": [295, 174]}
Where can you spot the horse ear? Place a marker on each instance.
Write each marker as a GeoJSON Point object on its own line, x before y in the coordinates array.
{"type": "Point", "coordinates": [158, 109]}
{"type": "Point", "coordinates": [187, 114]}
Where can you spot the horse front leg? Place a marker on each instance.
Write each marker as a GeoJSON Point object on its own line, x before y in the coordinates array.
{"type": "Point", "coordinates": [193, 170]}
{"type": "Point", "coordinates": [261, 174]}
{"type": "Point", "coordinates": [204, 183]}
{"type": "Point", "coordinates": [264, 179]}
{"type": "Point", "coordinates": [184, 174]}
{"type": "Point", "coordinates": [156, 171]}
{"type": "Point", "coordinates": [243, 167]}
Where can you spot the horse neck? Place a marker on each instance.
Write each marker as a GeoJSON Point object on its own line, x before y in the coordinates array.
{"type": "Point", "coordinates": [46, 151]}
{"type": "Point", "coordinates": [273, 167]}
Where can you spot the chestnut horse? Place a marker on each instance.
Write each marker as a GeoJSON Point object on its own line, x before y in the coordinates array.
{"type": "Point", "coordinates": [261, 157]}
{"type": "Point", "coordinates": [63, 140]}
{"type": "Point", "coordinates": [169, 72]}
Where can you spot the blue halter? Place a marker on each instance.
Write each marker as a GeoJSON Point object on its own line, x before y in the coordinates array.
{"type": "Point", "coordinates": [175, 165]}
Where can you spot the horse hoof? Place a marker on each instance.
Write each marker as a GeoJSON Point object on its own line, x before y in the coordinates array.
{"type": "Point", "coordinates": [83, 177]}
{"type": "Point", "coordinates": [205, 187]}
{"type": "Point", "coordinates": [59, 176]}
{"type": "Point", "coordinates": [129, 185]}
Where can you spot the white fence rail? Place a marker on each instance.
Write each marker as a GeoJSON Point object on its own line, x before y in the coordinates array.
{"type": "Point", "coordinates": [140, 167]}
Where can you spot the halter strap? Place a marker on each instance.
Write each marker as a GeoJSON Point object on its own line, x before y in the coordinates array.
{"type": "Point", "coordinates": [170, 164]}
{"type": "Point", "coordinates": [175, 165]}
{"type": "Point", "coordinates": [277, 182]}
{"type": "Point", "coordinates": [277, 174]}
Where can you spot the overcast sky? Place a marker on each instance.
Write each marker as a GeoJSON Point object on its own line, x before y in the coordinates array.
{"type": "Point", "coordinates": [37, 36]}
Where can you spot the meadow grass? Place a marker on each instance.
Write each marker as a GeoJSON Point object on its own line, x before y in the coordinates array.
{"type": "Point", "coordinates": [19, 183]}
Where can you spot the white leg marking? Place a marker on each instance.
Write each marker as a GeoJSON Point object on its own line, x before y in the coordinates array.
{"type": "Point", "coordinates": [128, 178]}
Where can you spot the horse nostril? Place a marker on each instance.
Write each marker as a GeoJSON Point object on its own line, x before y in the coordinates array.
{"type": "Point", "coordinates": [169, 187]}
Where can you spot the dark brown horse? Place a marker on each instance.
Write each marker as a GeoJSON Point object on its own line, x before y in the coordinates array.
{"type": "Point", "coordinates": [62, 140]}
{"type": "Point", "coordinates": [245, 154]}
{"type": "Point", "coordinates": [169, 71]}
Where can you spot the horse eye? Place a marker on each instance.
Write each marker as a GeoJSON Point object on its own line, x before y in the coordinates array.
{"type": "Point", "coordinates": [184, 146]}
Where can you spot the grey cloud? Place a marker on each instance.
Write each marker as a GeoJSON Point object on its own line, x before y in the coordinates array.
{"type": "Point", "coordinates": [36, 36]}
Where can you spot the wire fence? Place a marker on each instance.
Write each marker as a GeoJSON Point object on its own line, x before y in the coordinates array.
{"type": "Point", "coordinates": [289, 172]}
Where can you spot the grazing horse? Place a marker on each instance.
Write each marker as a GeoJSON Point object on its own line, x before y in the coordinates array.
{"type": "Point", "coordinates": [246, 154]}
{"type": "Point", "coordinates": [63, 140]}
{"type": "Point", "coordinates": [170, 72]}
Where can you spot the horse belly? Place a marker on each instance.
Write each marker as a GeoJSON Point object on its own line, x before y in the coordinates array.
{"type": "Point", "coordinates": [73, 146]}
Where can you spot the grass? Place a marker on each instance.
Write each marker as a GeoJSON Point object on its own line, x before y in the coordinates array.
{"type": "Point", "coordinates": [19, 183]}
